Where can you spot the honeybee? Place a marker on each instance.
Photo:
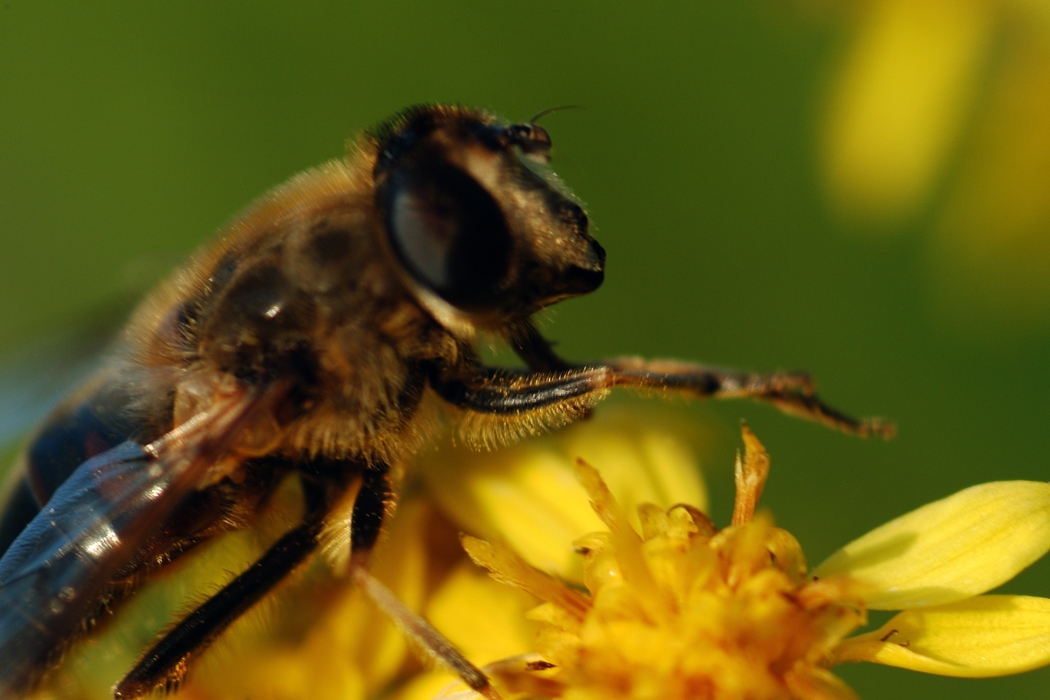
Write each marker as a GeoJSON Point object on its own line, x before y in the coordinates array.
{"type": "Point", "coordinates": [316, 338]}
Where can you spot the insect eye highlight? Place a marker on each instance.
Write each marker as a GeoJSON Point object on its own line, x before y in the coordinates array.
{"type": "Point", "coordinates": [449, 233]}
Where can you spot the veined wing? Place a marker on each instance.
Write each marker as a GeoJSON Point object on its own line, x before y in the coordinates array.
{"type": "Point", "coordinates": [52, 574]}
{"type": "Point", "coordinates": [36, 377]}
{"type": "Point", "coordinates": [33, 383]}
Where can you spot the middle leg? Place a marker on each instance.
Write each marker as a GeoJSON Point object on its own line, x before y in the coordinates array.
{"type": "Point", "coordinates": [165, 665]}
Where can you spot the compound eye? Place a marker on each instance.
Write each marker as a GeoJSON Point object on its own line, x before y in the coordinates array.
{"type": "Point", "coordinates": [449, 233]}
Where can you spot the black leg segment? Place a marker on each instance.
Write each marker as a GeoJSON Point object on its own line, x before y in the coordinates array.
{"type": "Point", "coordinates": [165, 664]}
{"type": "Point", "coordinates": [375, 496]}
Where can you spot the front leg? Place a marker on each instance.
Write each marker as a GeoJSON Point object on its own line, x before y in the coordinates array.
{"type": "Point", "coordinates": [791, 392]}
{"type": "Point", "coordinates": [549, 399]}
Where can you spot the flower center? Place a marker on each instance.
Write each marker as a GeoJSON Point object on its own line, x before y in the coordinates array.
{"type": "Point", "coordinates": [683, 610]}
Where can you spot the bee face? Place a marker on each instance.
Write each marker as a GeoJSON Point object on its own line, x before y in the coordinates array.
{"type": "Point", "coordinates": [444, 210]}
{"type": "Point", "coordinates": [471, 221]}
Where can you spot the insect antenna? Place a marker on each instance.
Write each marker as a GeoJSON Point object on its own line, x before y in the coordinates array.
{"type": "Point", "coordinates": [551, 110]}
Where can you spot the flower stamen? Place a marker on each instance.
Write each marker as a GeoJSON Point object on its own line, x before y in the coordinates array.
{"type": "Point", "coordinates": [750, 473]}
{"type": "Point", "coordinates": [683, 610]}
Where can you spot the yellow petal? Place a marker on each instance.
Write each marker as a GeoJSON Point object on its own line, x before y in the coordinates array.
{"type": "Point", "coordinates": [992, 249]}
{"type": "Point", "coordinates": [425, 686]}
{"type": "Point", "coordinates": [991, 635]}
{"type": "Point", "coordinates": [506, 567]}
{"type": "Point", "coordinates": [625, 541]}
{"type": "Point", "coordinates": [528, 495]}
{"type": "Point", "coordinates": [751, 473]}
{"type": "Point", "coordinates": [900, 100]}
{"type": "Point", "coordinates": [485, 619]}
{"type": "Point", "coordinates": [951, 549]}
{"type": "Point", "coordinates": [818, 684]}
{"type": "Point", "coordinates": [644, 456]}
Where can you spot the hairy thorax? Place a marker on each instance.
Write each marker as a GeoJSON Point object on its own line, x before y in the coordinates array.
{"type": "Point", "coordinates": [306, 298]}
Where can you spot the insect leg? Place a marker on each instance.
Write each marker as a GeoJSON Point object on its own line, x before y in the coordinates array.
{"type": "Point", "coordinates": [505, 393]}
{"type": "Point", "coordinates": [791, 392]}
{"type": "Point", "coordinates": [423, 634]}
{"type": "Point", "coordinates": [166, 663]}
{"type": "Point", "coordinates": [370, 508]}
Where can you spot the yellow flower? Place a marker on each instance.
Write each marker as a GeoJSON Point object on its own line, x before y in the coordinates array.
{"type": "Point", "coordinates": [527, 497]}
{"type": "Point", "coordinates": [934, 563]}
{"type": "Point", "coordinates": [900, 99]}
{"type": "Point", "coordinates": [942, 106]}
{"type": "Point", "coordinates": [675, 608]}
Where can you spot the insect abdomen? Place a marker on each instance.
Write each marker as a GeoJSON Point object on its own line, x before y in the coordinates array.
{"type": "Point", "coordinates": [73, 434]}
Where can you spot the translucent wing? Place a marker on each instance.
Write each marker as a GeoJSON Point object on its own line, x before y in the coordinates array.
{"type": "Point", "coordinates": [53, 572]}
{"type": "Point", "coordinates": [56, 567]}
{"type": "Point", "coordinates": [35, 378]}
{"type": "Point", "coordinates": [37, 375]}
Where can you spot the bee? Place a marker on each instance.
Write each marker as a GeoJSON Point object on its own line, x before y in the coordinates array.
{"type": "Point", "coordinates": [316, 339]}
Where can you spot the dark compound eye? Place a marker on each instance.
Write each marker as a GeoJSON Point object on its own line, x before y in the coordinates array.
{"type": "Point", "coordinates": [450, 233]}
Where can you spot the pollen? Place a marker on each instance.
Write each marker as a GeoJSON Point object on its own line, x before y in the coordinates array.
{"type": "Point", "coordinates": [682, 609]}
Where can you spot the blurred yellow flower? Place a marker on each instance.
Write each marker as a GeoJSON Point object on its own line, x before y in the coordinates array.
{"type": "Point", "coordinates": [323, 638]}
{"type": "Point", "coordinates": [943, 103]}
{"type": "Point", "coordinates": [899, 101]}
{"type": "Point", "coordinates": [674, 608]}
{"type": "Point", "coordinates": [527, 497]}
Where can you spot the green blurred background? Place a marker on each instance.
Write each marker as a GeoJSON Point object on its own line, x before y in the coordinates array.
{"type": "Point", "coordinates": [860, 189]}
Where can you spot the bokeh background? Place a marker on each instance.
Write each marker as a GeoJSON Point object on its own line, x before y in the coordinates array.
{"type": "Point", "coordinates": [860, 189]}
